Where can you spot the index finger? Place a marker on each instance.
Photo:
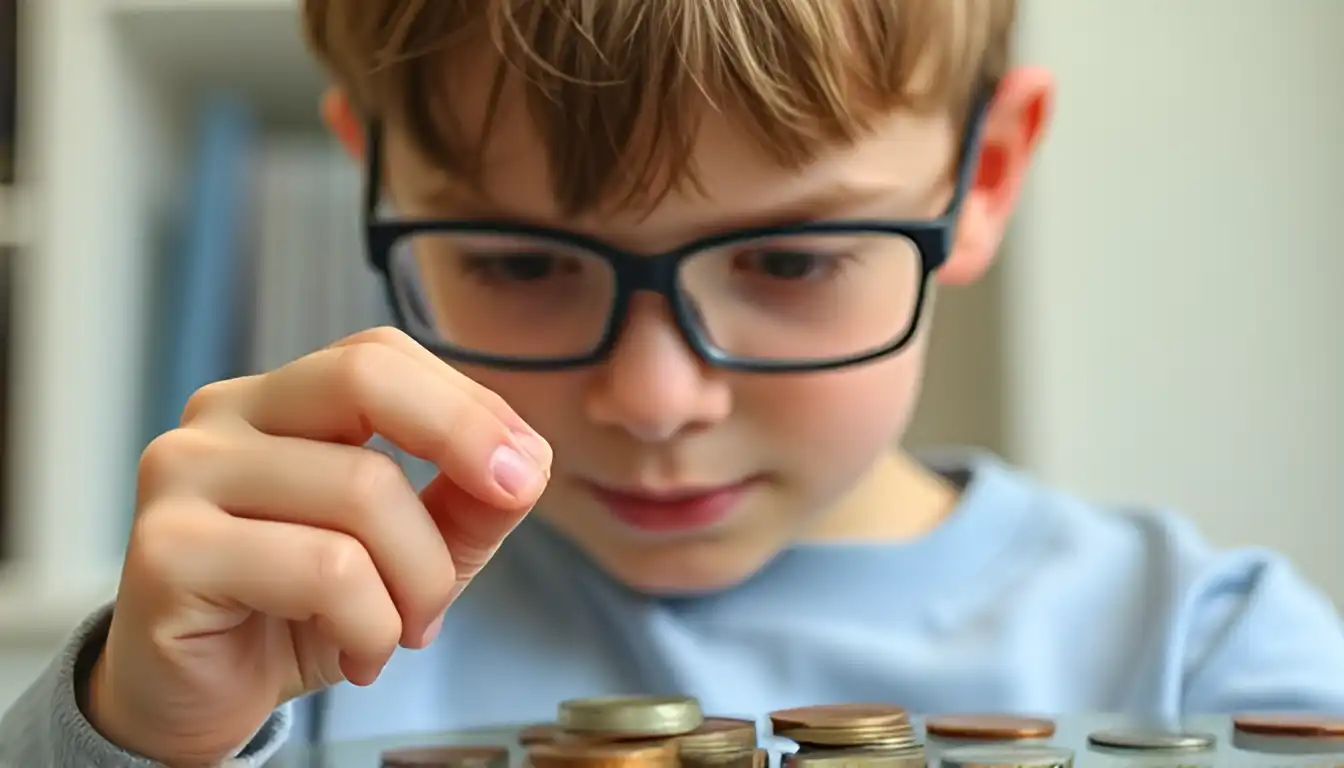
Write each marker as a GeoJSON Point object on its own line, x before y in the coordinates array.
{"type": "Point", "coordinates": [408, 346]}
{"type": "Point", "coordinates": [349, 393]}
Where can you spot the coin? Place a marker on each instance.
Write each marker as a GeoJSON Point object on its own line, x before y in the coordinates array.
{"type": "Point", "coordinates": [1153, 739]}
{"type": "Point", "coordinates": [577, 754]}
{"type": "Point", "coordinates": [719, 735]}
{"type": "Point", "coordinates": [989, 727]}
{"type": "Point", "coordinates": [631, 716]}
{"type": "Point", "coordinates": [539, 733]}
{"type": "Point", "coordinates": [741, 758]}
{"type": "Point", "coordinates": [839, 716]}
{"type": "Point", "coordinates": [1007, 756]}
{"type": "Point", "coordinates": [446, 757]}
{"type": "Point", "coordinates": [852, 758]}
{"type": "Point", "coordinates": [1291, 726]}
{"type": "Point", "coordinates": [846, 725]}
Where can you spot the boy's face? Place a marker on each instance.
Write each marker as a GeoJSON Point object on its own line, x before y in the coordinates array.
{"type": "Point", "coordinates": [765, 459]}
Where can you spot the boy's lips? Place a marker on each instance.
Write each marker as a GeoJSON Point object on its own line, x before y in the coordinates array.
{"type": "Point", "coordinates": [672, 510]}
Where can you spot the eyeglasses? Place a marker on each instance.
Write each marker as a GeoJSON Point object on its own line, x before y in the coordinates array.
{"type": "Point", "coordinates": [806, 297]}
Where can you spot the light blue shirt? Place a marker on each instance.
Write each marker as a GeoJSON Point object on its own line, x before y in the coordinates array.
{"type": "Point", "coordinates": [1025, 600]}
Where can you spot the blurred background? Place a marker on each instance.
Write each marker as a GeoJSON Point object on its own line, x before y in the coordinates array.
{"type": "Point", "coordinates": [1164, 327]}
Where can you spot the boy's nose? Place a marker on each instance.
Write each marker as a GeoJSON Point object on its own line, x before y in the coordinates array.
{"type": "Point", "coordinates": [654, 386]}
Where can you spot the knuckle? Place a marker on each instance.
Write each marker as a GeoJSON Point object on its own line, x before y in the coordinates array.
{"type": "Point", "coordinates": [207, 399]}
{"type": "Point", "coordinates": [360, 365]}
{"type": "Point", "coordinates": [340, 561]}
{"type": "Point", "coordinates": [383, 335]}
{"type": "Point", "coordinates": [373, 481]}
{"type": "Point", "coordinates": [160, 540]}
{"type": "Point", "coordinates": [167, 455]}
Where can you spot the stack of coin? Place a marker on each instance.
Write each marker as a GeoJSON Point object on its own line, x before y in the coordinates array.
{"type": "Point", "coordinates": [720, 742]}
{"type": "Point", "coordinates": [583, 754]}
{"type": "Point", "coordinates": [1007, 756]}
{"type": "Point", "coordinates": [988, 728]}
{"type": "Point", "coordinates": [619, 718]}
{"type": "Point", "coordinates": [850, 758]}
{"type": "Point", "coordinates": [1289, 734]}
{"type": "Point", "coordinates": [446, 757]}
{"type": "Point", "coordinates": [539, 733]}
{"type": "Point", "coordinates": [1156, 747]}
{"type": "Point", "coordinates": [877, 728]}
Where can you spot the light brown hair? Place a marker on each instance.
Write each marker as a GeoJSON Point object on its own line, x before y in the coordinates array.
{"type": "Point", "coordinates": [615, 87]}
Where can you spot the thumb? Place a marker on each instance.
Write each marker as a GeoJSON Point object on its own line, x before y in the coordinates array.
{"type": "Point", "coordinates": [472, 529]}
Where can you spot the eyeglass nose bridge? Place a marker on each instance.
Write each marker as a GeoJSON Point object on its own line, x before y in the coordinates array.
{"type": "Point", "coordinates": [656, 274]}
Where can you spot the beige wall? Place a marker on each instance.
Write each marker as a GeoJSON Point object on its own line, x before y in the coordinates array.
{"type": "Point", "coordinates": [962, 400]}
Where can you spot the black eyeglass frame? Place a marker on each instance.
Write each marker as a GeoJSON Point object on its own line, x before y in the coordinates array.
{"type": "Point", "coordinates": [657, 273]}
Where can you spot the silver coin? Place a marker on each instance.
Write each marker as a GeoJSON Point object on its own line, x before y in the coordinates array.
{"type": "Point", "coordinates": [1153, 739]}
{"type": "Point", "coordinates": [1007, 756]}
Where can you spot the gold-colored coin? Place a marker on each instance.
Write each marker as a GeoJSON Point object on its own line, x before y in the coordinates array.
{"type": "Point", "coordinates": [446, 757]}
{"type": "Point", "coordinates": [631, 716]}
{"type": "Point", "coordinates": [719, 735]}
{"type": "Point", "coordinates": [895, 736]}
{"type": "Point", "coordinates": [578, 754]}
{"type": "Point", "coordinates": [853, 758]}
{"type": "Point", "coordinates": [749, 758]}
{"type": "Point", "coordinates": [846, 725]}
{"type": "Point", "coordinates": [1007, 756]}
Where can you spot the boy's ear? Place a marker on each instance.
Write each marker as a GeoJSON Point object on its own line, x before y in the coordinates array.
{"type": "Point", "coordinates": [343, 121]}
{"type": "Point", "coordinates": [1016, 121]}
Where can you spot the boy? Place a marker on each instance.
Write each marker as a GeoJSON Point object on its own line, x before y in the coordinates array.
{"type": "Point", "coordinates": [722, 515]}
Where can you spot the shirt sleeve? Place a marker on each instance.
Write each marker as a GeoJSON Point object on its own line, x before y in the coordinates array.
{"type": "Point", "coordinates": [1260, 638]}
{"type": "Point", "coordinates": [46, 727]}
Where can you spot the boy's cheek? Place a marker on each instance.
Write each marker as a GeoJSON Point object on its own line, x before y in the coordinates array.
{"type": "Point", "coordinates": [863, 408]}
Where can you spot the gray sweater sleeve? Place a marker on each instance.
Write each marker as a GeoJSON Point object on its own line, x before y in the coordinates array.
{"type": "Point", "coordinates": [45, 727]}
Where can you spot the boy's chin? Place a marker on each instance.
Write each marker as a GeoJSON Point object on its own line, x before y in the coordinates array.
{"type": "Point", "coordinates": [685, 568]}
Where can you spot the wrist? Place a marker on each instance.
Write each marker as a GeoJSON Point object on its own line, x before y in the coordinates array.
{"type": "Point", "coordinates": [113, 717]}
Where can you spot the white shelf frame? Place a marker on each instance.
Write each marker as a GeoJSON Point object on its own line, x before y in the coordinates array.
{"type": "Point", "coordinates": [103, 120]}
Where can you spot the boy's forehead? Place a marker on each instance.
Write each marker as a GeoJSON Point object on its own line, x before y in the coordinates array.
{"type": "Point", "coordinates": [891, 171]}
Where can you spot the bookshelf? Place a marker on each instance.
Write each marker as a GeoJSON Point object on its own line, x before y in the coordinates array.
{"type": "Point", "coordinates": [104, 105]}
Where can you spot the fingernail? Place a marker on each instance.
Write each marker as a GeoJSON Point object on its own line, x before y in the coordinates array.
{"type": "Point", "coordinates": [513, 471]}
{"type": "Point", "coordinates": [432, 632]}
{"type": "Point", "coordinates": [534, 446]}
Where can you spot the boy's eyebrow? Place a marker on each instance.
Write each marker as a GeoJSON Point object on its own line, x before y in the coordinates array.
{"type": "Point", "coordinates": [821, 202]}
{"type": "Point", "coordinates": [830, 202]}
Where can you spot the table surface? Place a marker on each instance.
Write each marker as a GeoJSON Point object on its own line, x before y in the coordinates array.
{"type": "Point", "coordinates": [1231, 750]}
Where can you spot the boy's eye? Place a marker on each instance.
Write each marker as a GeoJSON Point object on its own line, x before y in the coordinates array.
{"type": "Point", "coordinates": [786, 264]}
{"type": "Point", "coordinates": [519, 267]}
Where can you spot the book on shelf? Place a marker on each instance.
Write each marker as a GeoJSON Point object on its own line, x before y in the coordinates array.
{"type": "Point", "coordinates": [9, 87]}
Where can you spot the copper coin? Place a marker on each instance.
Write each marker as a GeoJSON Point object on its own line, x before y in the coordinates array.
{"type": "Point", "coordinates": [737, 759]}
{"type": "Point", "coordinates": [571, 754]}
{"type": "Point", "coordinates": [839, 716]}
{"type": "Point", "coordinates": [717, 733]}
{"type": "Point", "coordinates": [446, 757]}
{"type": "Point", "coordinates": [539, 733]}
{"type": "Point", "coordinates": [989, 727]}
{"type": "Point", "coordinates": [1291, 726]}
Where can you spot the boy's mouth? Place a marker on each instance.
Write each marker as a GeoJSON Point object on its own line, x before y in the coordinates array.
{"type": "Point", "coordinates": [673, 510]}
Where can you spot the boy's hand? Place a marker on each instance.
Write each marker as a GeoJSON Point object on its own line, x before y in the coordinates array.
{"type": "Point", "coordinates": [273, 555]}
